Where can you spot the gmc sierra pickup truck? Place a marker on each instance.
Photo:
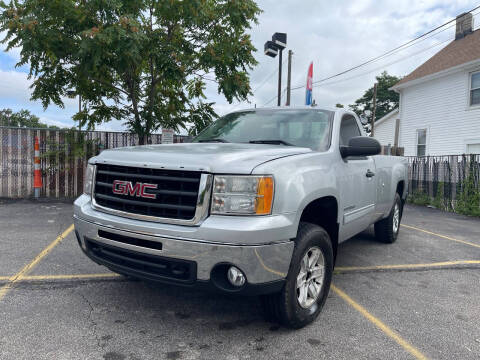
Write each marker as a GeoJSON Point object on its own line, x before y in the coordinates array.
{"type": "Point", "coordinates": [257, 204]}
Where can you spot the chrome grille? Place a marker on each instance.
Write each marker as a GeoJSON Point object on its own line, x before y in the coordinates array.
{"type": "Point", "coordinates": [176, 191]}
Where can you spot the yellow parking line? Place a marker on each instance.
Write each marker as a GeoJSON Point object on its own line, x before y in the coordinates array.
{"type": "Point", "coordinates": [338, 268]}
{"type": "Point", "coordinates": [267, 268]}
{"type": "Point", "coordinates": [69, 277]}
{"type": "Point", "coordinates": [407, 266]}
{"type": "Point", "coordinates": [379, 324]}
{"type": "Point", "coordinates": [19, 276]}
{"type": "Point", "coordinates": [442, 236]}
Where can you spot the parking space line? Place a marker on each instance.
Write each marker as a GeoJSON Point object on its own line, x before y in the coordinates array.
{"type": "Point", "coordinates": [338, 269]}
{"type": "Point", "coordinates": [379, 324]}
{"type": "Point", "coordinates": [442, 236]}
{"type": "Point", "coordinates": [19, 276]}
{"type": "Point", "coordinates": [408, 266]}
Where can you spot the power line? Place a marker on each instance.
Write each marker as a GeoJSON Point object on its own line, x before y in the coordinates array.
{"type": "Point", "coordinates": [390, 52]}
{"type": "Point", "coordinates": [386, 54]}
{"type": "Point", "coordinates": [262, 84]}
{"type": "Point", "coordinates": [273, 98]}
{"type": "Point", "coordinates": [381, 67]}
{"type": "Point", "coordinates": [317, 84]}
{"type": "Point", "coordinates": [269, 101]}
{"type": "Point", "coordinates": [267, 78]}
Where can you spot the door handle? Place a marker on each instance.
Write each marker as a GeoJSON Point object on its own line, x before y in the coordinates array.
{"type": "Point", "coordinates": [369, 173]}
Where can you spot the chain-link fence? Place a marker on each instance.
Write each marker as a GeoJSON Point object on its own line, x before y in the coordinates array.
{"type": "Point", "coordinates": [63, 155]}
{"type": "Point", "coordinates": [444, 181]}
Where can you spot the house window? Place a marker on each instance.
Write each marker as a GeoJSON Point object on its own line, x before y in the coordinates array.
{"type": "Point", "coordinates": [475, 89]}
{"type": "Point", "coordinates": [421, 142]}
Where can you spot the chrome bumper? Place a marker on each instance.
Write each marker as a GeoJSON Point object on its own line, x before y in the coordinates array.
{"type": "Point", "coordinates": [261, 263]}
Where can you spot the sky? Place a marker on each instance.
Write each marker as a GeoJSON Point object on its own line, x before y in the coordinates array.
{"type": "Point", "coordinates": [334, 35]}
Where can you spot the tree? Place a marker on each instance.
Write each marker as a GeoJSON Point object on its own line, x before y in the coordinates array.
{"type": "Point", "coordinates": [387, 100]}
{"type": "Point", "coordinates": [339, 106]}
{"type": "Point", "coordinates": [142, 61]}
{"type": "Point", "coordinates": [22, 118]}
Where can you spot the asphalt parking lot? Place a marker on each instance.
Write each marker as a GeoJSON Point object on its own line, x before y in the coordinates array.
{"type": "Point", "coordinates": [418, 298]}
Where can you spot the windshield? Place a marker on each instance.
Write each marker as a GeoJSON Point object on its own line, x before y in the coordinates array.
{"type": "Point", "coordinates": [305, 128]}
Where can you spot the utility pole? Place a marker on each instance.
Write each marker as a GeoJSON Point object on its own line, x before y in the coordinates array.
{"type": "Point", "coordinates": [289, 76]}
{"type": "Point", "coordinates": [79, 110]}
{"type": "Point", "coordinates": [372, 133]}
{"type": "Point", "coordinates": [397, 132]}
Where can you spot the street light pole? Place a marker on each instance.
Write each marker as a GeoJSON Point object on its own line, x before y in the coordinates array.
{"type": "Point", "coordinates": [272, 48]}
{"type": "Point", "coordinates": [279, 98]}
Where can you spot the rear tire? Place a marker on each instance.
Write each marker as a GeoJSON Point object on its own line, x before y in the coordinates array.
{"type": "Point", "coordinates": [386, 230]}
{"type": "Point", "coordinates": [308, 280]}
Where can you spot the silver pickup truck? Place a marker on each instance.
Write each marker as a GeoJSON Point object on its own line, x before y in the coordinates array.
{"type": "Point", "coordinates": [256, 205]}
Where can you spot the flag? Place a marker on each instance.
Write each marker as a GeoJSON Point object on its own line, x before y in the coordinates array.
{"type": "Point", "coordinates": [308, 93]}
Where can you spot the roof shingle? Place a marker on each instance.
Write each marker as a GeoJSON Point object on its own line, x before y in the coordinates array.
{"type": "Point", "coordinates": [456, 53]}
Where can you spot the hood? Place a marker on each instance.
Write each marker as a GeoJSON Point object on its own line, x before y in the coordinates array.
{"type": "Point", "coordinates": [209, 157]}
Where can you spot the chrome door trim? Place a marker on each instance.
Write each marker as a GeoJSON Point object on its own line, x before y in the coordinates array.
{"type": "Point", "coordinates": [358, 213]}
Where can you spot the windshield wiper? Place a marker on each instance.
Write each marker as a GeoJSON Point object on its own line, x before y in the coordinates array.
{"type": "Point", "coordinates": [213, 140]}
{"type": "Point", "coordinates": [273, 142]}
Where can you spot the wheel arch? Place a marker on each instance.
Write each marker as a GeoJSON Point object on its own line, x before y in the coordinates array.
{"type": "Point", "coordinates": [323, 212]}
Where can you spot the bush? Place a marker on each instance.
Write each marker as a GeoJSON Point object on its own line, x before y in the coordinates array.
{"type": "Point", "coordinates": [418, 197]}
{"type": "Point", "coordinates": [468, 202]}
{"type": "Point", "coordinates": [439, 199]}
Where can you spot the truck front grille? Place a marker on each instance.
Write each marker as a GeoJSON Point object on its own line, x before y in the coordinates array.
{"type": "Point", "coordinates": [148, 266]}
{"type": "Point", "coordinates": [175, 191]}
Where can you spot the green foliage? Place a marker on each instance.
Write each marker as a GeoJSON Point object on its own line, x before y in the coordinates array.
{"type": "Point", "coordinates": [340, 106]}
{"type": "Point", "coordinates": [468, 201]}
{"type": "Point", "coordinates": [439, 199]}
{"type": "Point", "coordinates": [22, 118]}
{"type": "Point", "coordinates": [387, 100]}
{"type": "Point", "coordinates": [74, 146]}
{"type": "Point", "coordinates": [419, 197]}
{"type": "Point", "coordinates": [142, 61]}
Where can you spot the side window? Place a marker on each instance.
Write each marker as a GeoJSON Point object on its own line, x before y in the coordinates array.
{"type": "Point", "coordinates": [348, 129]}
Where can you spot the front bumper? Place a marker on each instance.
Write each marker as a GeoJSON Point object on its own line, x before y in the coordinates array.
{"type": "Point", "coordinates": [264, 262]}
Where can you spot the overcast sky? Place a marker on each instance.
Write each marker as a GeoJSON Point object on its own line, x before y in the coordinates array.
{"type": "Point", "coordinates": [335, 35]}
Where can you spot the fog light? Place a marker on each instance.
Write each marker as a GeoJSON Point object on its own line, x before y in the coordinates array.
{"type": "Point", "coordinates": [235, 276]}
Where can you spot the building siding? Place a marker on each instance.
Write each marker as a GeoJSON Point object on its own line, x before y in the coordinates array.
{"type": "Point", "coordinates": [385, 131]}
{"type": "Point", "coordinates": [442, 107]}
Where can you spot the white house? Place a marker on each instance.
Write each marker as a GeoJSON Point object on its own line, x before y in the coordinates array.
{"type": "Point", "coordinates": [440, 100]}
{"type": "Point", "coordinates": [385, 128]}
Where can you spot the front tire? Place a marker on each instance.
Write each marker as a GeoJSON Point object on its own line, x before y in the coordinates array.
{"type": "Point", "coordinates": [308, 280]}
{"type": "Point", "coordinates": [386, 230]}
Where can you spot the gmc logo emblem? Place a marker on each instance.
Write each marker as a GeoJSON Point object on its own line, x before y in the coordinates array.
{"type": "Point", "coordinates": [122, 187]}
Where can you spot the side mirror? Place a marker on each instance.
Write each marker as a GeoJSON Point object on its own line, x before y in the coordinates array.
{"type": "Point", "coordinates": [361, 146]}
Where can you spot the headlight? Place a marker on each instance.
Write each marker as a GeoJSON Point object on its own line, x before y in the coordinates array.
{"type": "Point", "coordinates": [243, 195]}
{"type": "Point", "coordinates": [88, 179]}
